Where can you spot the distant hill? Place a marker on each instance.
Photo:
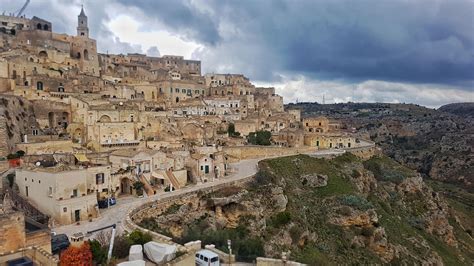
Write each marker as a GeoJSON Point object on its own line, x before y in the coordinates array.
{"type": "Point", "coordinates": [437, 143]}
{"type": "Point", "coordinates": [464, 109]}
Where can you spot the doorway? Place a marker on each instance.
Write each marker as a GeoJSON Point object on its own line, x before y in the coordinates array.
{"type": "Point", "coordinates": [77, 215]}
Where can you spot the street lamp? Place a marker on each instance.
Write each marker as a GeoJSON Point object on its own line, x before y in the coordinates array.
{"type": "Point", "coordinates": [229, 246]}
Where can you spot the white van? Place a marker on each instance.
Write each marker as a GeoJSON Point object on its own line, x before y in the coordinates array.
{"type": "Point", "coordinates": [207, 258]}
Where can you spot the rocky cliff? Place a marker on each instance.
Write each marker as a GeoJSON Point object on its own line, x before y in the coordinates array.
{"type": "Point", "coordinates": [16, 119]}
{"type": "Point", "coordinates": [340, 211]}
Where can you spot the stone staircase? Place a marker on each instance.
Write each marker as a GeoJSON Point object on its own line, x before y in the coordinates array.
{"type": "Point", "coordinates": [173, 180]}
{"type": "Point", "coordinates": [23, 205]}
{"type": "Point", "coordinates": [146, 186]}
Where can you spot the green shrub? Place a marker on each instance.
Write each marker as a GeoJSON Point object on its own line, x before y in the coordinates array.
{"type": "Point", "coordinates": [99, 253]}
{"type": "Point", "coordinates": [137, 237]}
{"type": "Point", "coordinates": [260, 138]}
{"type": "Point", "coordinates": [280, 219]}
{"type": "Point", "coordinates": [121, 247]}
{"type": "Point", "coordinates": [263, 177]}
{"type": "Point", "coordinates": [231, 131]}
{"type": "Point", "coordinates": [172, 209]}
{"type": "Point", "coordinates": [12, 156]}
{"type": "Point", "coordinates": [355, 173]}
{"type": "Point", "coordinates": [11, 179]}
{"type": "Point", "coordinates": [295, 233]}
{"type": "Point", "coordinates": [356, 202]}
{"type": "Point", "coordinates": [249, 249]}
{"type": "Point", "coordinates": [368, 231]}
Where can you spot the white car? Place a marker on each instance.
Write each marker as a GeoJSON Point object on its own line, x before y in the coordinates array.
{"type": "Point", "coordinates": [207, 258]}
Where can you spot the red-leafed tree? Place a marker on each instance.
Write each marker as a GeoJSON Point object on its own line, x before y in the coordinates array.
{"type": "Point", "coordinates": [78, 256]}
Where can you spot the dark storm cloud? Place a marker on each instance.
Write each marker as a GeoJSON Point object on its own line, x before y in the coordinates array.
{"type": "Point", "coordinates": [182, 17]}
{"type": "Point", "coordinates": [410, 41]}
{"type": "Point", "coordinates": [430, 42]}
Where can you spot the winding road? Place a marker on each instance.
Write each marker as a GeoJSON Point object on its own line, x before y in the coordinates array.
{"type": "Point", "coordinates": [117, 213]}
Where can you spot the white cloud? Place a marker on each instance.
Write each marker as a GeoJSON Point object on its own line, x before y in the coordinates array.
{"type": "Point", "coordinates": [128, 30]}
{"type": "Point", "coordinates": [302, 89]}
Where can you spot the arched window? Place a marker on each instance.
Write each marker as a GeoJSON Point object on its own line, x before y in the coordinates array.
{"type": "Point", "coordinates": [177, 99]}
{"type": "Point", "coordinates": [45, 27]}
{"type": "Point", "coordinates": [78, 55]}
{"type": "Point", "coordinates": [39, 85]}
{"type": "Point", "coordinates": [26, 83]}
{"type": "Point", "coordinates": [86, 54]}
{"type": "Point", "coordinates": [38, 26]}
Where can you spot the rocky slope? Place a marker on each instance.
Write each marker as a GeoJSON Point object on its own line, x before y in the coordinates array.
{"type": "Point", "coordinates": [437, 143]}
{"type": "Point", "coordinates": [339, 211]}
{"type": "Point", "coordinates": [16, 118]}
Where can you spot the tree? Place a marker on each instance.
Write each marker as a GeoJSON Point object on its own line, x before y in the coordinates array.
{"type": "Point", "coordinates": [231, 131]}
{"type": "Point", "coordinates": [81, 256]}
{"type": "Point", "coordinates": [99, 252]}
{"type": "Point", "coordinates": [138, 186]}
{"type": "Point", "coordinates": [261, 137]}
{"type": "Point", "coordinates": [11, 179]}
{"type": "Point", "coordinates": [137, 237]}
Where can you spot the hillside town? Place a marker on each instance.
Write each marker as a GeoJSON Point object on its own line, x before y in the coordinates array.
{"type": "Point", "coordinates": [84, 132]}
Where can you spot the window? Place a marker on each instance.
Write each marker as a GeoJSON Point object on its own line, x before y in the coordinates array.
{"type": "Point", "coordinates": [65, 209]}
{"type": "Point", "coordinates": [50, 191]}
{"type": "Point", "coordinates": [74, 193]}
{"type": "Point", "coordinates": [26, 191]}
{"type": "Point", "coordinates": [99, 178]}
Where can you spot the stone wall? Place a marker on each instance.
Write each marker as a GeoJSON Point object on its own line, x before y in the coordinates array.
{"type": "Point", "coordinates": [252, 152]}
{"type": "Point", "coordinates": [12, 232]}
{"type": "Point", "coordinates": [276, 262]}
{"type": "Point", "coordinates": [36, 254]}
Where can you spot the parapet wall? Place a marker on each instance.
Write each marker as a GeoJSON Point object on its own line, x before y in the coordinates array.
{"type": "Point", "coordinates": [237, 153]}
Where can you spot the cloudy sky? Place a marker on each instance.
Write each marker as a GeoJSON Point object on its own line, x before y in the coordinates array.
{"type": "Point", "coordinates": [364, 51]}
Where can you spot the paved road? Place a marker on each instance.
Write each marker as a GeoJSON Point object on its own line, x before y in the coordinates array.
{"type": "Point", "coordinates": [116, 214]}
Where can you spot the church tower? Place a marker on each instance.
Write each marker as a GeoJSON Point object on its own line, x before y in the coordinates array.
{"type": "Point", "coordinates": [82, 29]}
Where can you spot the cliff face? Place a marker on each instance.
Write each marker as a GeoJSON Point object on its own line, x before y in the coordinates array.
{"type": "Point", "coordinates": [16, 119]}
{"type": "Point", "coordinates": [437, 143]}
{"type": "Point", "coordinates": [342, 211]}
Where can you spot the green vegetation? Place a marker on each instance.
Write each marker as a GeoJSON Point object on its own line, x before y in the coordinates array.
{"type": "Point", "coordinates": [246, 247]}
{"type": "Point", "coordinates": [137, 237]}
{"type": "Point", "coordinates": [356, 201]}
{"type": "Point", "coordinates": [172, 209]}
{"type": "Point", "coordinates": [99, 253]}
{"type": "Point", "coordinates": [11, 179]}
{"type": "Point", "coordinates": [280, 219]}
{"type": "Point", "coordinates": [231, 131]}
{"type": "Point", "coordinates": [150, 224]}
{"type": "Point", "coordinates": [138, 186]}
{"type": "Point", "coordinates": [386, 169]}
{"type": "Point", "coordinates": [260, 138]}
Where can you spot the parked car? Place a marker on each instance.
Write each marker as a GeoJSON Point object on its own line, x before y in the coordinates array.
{"type": "Point", "coordinates": [207, 258]}
{"type": "Point", "coordinates": [59, 243]}
{"type": "Point", "coordinates": [105, 203]}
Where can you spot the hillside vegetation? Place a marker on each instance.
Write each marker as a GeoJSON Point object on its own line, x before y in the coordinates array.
{"type": "Point", "coordinates": [331, 212]}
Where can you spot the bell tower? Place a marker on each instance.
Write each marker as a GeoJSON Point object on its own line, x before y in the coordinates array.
{"type": "Point", "coordinates": [82, 29]}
